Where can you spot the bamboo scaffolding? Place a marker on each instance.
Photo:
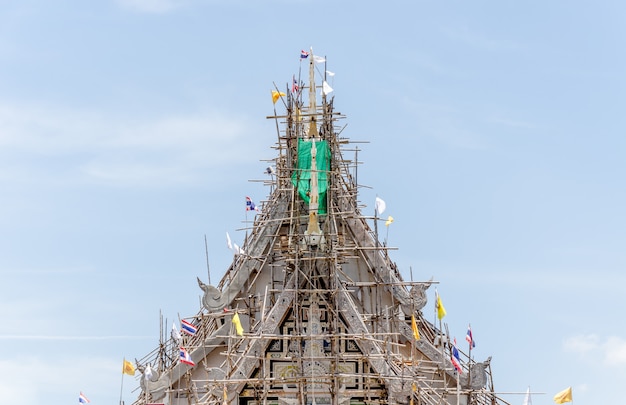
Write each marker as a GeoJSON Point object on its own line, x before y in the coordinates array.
{"type": "Point", "coordinates": [363, 348]}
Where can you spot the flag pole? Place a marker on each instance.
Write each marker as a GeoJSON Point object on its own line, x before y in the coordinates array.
{"type": "Point", "coordinates": [376, 224]}
{"type": "Point", "coordinates": [244, 241]}
{"type": "Point", "coordinates": [413, 322]}
{"type": "Point", "coordinates": [458, 389]}
{"type": "Point", "coordinates": [441, 343]}
{"type": "Point", "coordinates": [440, 331]}
{"type": "Point", "coordinates": [122, 384]}
{"type": "Point", "coordinates": [470, 345]}
{"type": "Point", "coordinates": [206, 251]}
{"type": "Point", "coordinates": [469, 354]}
{"type": "Point", "coordinates": [441, 340]}
{"type": "Point", "coordinates": [387, 236]}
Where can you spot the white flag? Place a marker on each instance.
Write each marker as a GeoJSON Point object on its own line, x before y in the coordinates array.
{"type": "Point", "coordinates": [380, 205]}
{"type": "Point", "coordinates": [329, 73]}
{"type": "Point", "coordinates": [238, 250]}
{"type": "Point", "coordinates": [228, 242]}
{"type": "Point", "coordinates": [148, 373]}
{"type": "Point", "coordinates": [326, 88]}
{"type": "Point", "coordinates": [175, 334]}
{"type": "Point", "coordinates": [319, 59]}
{"type": "Point", "coordinates": [527, 400]}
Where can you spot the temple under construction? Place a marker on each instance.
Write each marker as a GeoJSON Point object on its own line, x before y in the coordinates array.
{"type": "Point", "coordinates": [312, 309]}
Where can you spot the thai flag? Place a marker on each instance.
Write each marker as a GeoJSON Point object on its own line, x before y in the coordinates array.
{"type": "Point", "coordinates": [469, 337]}
{"type": "Point", "coordinates": [304, 54]}
{"type": "Point", "coordinates": [456, 359]}
{"type": "Point", "coordinates": [250, 205]}
{"type": "Point", "coordinates": [82, 399]}
{"type": "Point", "coordinates": [185, 357]}
{"type": "Point", "coordinates": [188, 328]}
{"type": "Point", "coordinates": [294, 86]}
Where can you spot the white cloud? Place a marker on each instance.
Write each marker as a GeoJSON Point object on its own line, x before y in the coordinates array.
{"type": "Point", "coordinates": [615, 351]}
{"type": "Point", "coordinates": [582, 344]}
{"type": "Point", "coordinates": [88, 146]}
{"type": "Point", "coordinates": [611, 350]}
{"type": "Point", "coordinates": [31, 380]}
{"type": "Point", "coordinates": [169, 150]}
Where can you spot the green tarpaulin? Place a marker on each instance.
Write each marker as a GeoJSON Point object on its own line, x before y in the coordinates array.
{"type": "Point", "coordinates": [301, 177]}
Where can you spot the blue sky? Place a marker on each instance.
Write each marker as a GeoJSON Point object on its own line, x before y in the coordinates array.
{"type": "Point", "coordinates": [130, 129]}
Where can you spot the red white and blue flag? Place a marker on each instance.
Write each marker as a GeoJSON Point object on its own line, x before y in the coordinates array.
{"type": "Point", "coordinates": [469, 337]}
{"type": "Point", "coordinates": [82, 399]}
{"type": "Point", "coordinates": [250, 205]}
{"type": "Point", "coordinates": [188, 327]}
{"type": "Point", "coordinates": [294, 86]}
{"type": "Point", "coordinates": [185, 357]}
{"type": "Point", "coordinates": [304, 54]}
{"type": "Point", "coordinates": [456, 359]}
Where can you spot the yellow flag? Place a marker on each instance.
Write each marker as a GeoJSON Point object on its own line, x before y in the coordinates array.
{"type": "Point", "coordinates": [276, 95]}
{"type": "Point", "coordinates": [416, 333]}
{"type": "Point", "coordinates": [389, 220]}
{"type": "Point", "coordinates": [564, 396]}
{"type": "Point", "coordinates": [441, 311]}
{"type": "Point", "coordinates": [128, 368]}
{"type": "Point", "coordinates": [237, 323]}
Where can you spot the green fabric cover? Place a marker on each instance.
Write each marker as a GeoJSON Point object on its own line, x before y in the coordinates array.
{"type": "Point", "coordinates": [301, 177]}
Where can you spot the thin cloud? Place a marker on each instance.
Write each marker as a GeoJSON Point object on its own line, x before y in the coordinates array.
{"type": "Point", "coordinates": [582, 344]}
{"type": "Point", "coordinates": [94, 147]}
{"type": "Point", "coordinates": [478, 40]}
{"type": "Point", "coordinates": [47, 271]}
{"type": "Point", "coordinates": [615, 351]}
{"type": "Point", "coordinates": [611, 349]}
{"type": "Point", "coordinates": [66, 338]}
{"type": "Point", "coordinates": [152, 6]}
{"type": "Point", "coordinates": [56, 377]}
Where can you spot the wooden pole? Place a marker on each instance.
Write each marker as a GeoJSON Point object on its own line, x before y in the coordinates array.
{"type": "Point", "coordinates": [206, 249]}
{"type": "Point", "coordinates": [122, 384]}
